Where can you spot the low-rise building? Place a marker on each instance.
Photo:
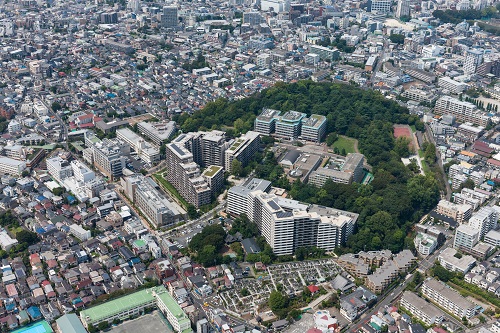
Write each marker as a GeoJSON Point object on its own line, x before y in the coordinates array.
{"type": "Point", "coordinates": [448, 260]}
{"type": "Point", "coordinates": [421, 309]}
{"type": "Point", "coordinates": [448, 298]}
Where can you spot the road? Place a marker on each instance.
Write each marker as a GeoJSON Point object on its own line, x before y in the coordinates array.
{"type": "Point", "coordinates": [63, 136]}
{"type": "Point", "coordinates": [390, 295]}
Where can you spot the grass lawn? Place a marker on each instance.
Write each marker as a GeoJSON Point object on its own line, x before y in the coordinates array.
{"type": "Point", "coordinates": [171, 189]}
{"type": "Point", "coordinates": [413, 129]}
{"type": "Point", "coordinates": [346, 143]}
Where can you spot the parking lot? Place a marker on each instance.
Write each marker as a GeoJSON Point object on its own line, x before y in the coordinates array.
{"type": "Point", "coordinates": [249, 293]}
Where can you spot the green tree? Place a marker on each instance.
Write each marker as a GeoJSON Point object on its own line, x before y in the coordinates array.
{"type": "Point", "coordinates": [236, 167]}
{"type": "Point", "coordinates": [58, 191]}
{"type": "Point", "coordinates": [244, 292]}
{"type": "Point", "coordinates": [278, 303]}
{"type": "Point", "coordinates": [103, 325]}
{"type": "Point", "coordinates": [27, 237]}
{"type": "Point", "coordinates": [397, 38]}
{"type": "Point", "coordinates": [192, 212]}
{"type": "Point", "coordinates": [56, 106]}
{"type": "Point", "coordinates": [468, 183]}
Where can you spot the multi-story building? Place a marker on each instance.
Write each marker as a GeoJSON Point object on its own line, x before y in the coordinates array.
{"type": "Point", "coordinates": [313, 128]}
{"type": "Point", "coordinates": [484, 220]}
{"type": "Point", "coordinates": [425, 244]}
{"type": "Point", "coordinates": [448, 298]}
{"type": "Point", "coordinates": [80, 233]}
{"type": "Point", "coordinates": [59, 168]}
{"type": "Point", "coordinates": [427, 313]}
{"type": "Point", "coordinates": [324, 53]}
{"type": "Point", "coordinates": [159, 132]}
{"type": "Point", "coordinates": [144, 150]}
{"type": "Point", "coordinates": [463, 111]}
{"type": "Point", "coordinates": [465, 237]}
{"type": "Point", "coordinates": [462, 265]}
{"type": "Point", "coordinates": [473, 58]}
{"type": "Point", "coordinates": [470, 133]}
{"type": "Point", "coordinates": [458, 212]}
{"type": "Point", "coordinates": [265, 123]}
{"type": "Point", "coordinates": [492, 238]}
{"type": "Point", "coordinates": [253, 18]}
{"type": "Point", "coordinates": [108, 155]}
{"type": "Point", "coordinates": [289, 125]}
{"type": "Point", "coordinates": [242, 149]}
{"type": "Point", "coordinates": [350, 171]}
{"type": "Point", "coordinates": [389, 271]}
{"type": "Point", "coordinates": [288, 224]}
{"type": "Point", "coordinates": [169, 17]}
{"type": "Point", "coordinates": [381, 6]}
{"type": "Point", "coordinates": [237, 196]}
{"type": "Point", "coordinates": [452, 86]}
{"type": "Point", "coordinates": [403, 8]}
{"type": "Point", "coordinates": [145, 195]}
{"type": "Point", "coordinates": [214, 176]}
{"type": "Point", "coordinates": [419, 95]}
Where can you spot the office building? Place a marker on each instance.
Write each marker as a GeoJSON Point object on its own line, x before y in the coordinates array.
{"type": "Point", "coordinates": [108, 18]}
{"type": "Point", "coordinates": [473, 59]}
{"type": "Point", "coordinates": [463, 111]}
{"type": "Point", "coordinates": [265, 123]}
{"type": "Point", "coordinates": [350, 171]}
{"type": "Point", "coordinates": [313, 128]}
{"type": "Point", "coordinates": [134, 305]}
{"type": "Point", "coordinates": [458, 212]}
{"type": "Point", "coordinates": [289, 125]}
{"type": "Point", "coordinates": [159, 132]}
{"type": "Point", "coordinates": [288, 224]}
{"type": "Point", "coordinates": [380, 6]}
{"type": "Point", "coordinates": [465, 237]}
{"type": "Point", "coordinates": [237, 196]}
{"type": "Point", "coordinates": [169, 18]}
{"type": "Point", "coordinates": [448, 260]}
{"type": "Point", "coordinates": [403, 8]}
{"type": "Point", "coordinates": [418, 307]}
{"type": "Point", "coordinates": [484, 220]}
{"type": "Point", "coordinates": [144, 193]}
{"type": "Point", "coordinates": [452, 86]}
{"type": "Point", "coordinates": [448, 298]}
{"type": "Point", "coordinates": [242, 149]}
{"type": "Point", "coordinates": [145, 151]}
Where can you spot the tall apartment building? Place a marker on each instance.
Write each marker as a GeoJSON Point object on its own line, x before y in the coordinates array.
{"type": "Point", "coordinates": [144, 149]}
{"type": "Point", "coordinates": [287, 224]}
{"type": "Point", "coordinates": [473, 59]}
{"type": "Point", "coordinates": [451, 85]}
{"type": "Point", "coordinates": [470, 197]}
{"type": "Point", "coordinates": [214, 176]}
{"type": "Point", "coordinates": [108, 156]}
{"type": "Point", "coordinates": [458, 212]}
{"type": "Point", "coordinates": [463, 111]}
{"type": "Point", "coordinates": [484, 220]}
{"type": "Point", "coordinates": [448, 298]}
{"type": "Point", "coordinates": [465, 237]}
{"type": "Point", "coordinates": [265, 123]}
{"type": "Point", "coordinates": [350, 171]}
{"type": "Point", "coordinates": [289, 125]}
{"type": "Point", "coordinates": [381, 6]}
{"type": "Point", "coordinates": [159, 132]}
{"type": "Point", "coordinates": [242, 149]}
{"type": "Point", "coordinates": [403, 8]}
{"type": "Point", "coordinates": [313, 128]}
{"type": "Point", "coordinates": [143, 191]}
{"type": "Point", "coordinates": [169, 18]}
{"type": "Point", "coordinates": [237, 196]}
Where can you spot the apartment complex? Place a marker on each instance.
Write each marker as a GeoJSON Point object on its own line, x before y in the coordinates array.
{"type": "Point", "coordinates": [463, 111]}
{"type": "Point", "coordinates": [159, 132]}
{"type": "Point", "coordinates": [324, 52]}
{"type": "Point", "coordinates": [421, 309]}
{"type": "Point", "coordinates": [451, 85]}
{"type": "Point", "coordinates": [389, 271]}
{"type": "Point", "coordinates": [465, 237]}
{"type": "Point", "coordinates": [144, 149]}
{"type": "Point", "coordinates": [484, 220]}
{"type": "Point", "coordinates": [473, 58]}
{"type": "Point", "coordinates": [242, 149]}
{"type": "Point", "coordinates": [448, 260]}
{"type": "Point", "coordinates": [425, 244]}
{"type": "Point", "coordinates": [143, 192]}
{"type": "Point", "coordinates": [291, 125]}
{"type": "Point", "coordinates": [288, 224]}
{"type": "Point", "coordinates": [350, 171]}
{"type": "Point", "coordinates": [107, 155]}
{"type": "Point", "coordinates": [448, 298]}
{"type": "Point", "coordinates": [381, 6]}
{"type": "Point", "coordinates": [458, 212]}
{"type": "Point", "coordinates": [11, 166]}
{"type": "Point", "coordinates": [134, 305]}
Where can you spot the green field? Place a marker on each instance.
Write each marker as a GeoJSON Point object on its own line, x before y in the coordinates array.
{"type": "Point", "coordinates": [346, 143]}
{"type": "Point", "coordinates": [171, 189]}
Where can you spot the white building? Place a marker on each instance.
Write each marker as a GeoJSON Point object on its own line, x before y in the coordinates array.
{"type": "Point", "coordinates": [14, 126]}
{"type": "Point", "coordinates": [448, 298]}
{"type": "Point", "coordinates": [11, 166]}
{"type": "Point", "coordinates": [484, 220]}
{"type": "Point", "coordinates": [451, 85]}
{"type": "Point", "coordinates": [466, 237]}
{"type": "Point", "coordinates": [448, 260]}
{"type": "Point", "coordinates": [79, 232]}
{"type": "Point", "coordinates": [421, 309]}
{"type": "Point", "coordinates": [425, 244]}
{"type": "Point", "coordinates": [492, 238]}
{"type": "Point", "coordinates": [381, 6]}
{"type": "Point", "coordinates": [144, 150]}
{"type": "Point", "coordinates": [473, 59]}
{"type": "Point", "coordinates": [6, 242]}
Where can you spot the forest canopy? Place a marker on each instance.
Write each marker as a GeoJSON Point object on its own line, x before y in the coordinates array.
{"type": "Point", "coordinates": [397, 197]}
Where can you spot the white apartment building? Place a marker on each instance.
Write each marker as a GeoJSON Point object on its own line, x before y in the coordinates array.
{"type": "Point", "coordinates": [492, 238]}
{"type": "Point", "coordinates": [466, 237]}
{"type": "Point", "coordinates": [473, 58]}
{"type": "Point", "coordinates": [463, 111]}
{"type": "Point", "coordinates": [484, 220]}
{"type": "Point", "coordinates": [159, 132]}
{"type": "Point", "coordinates": [144, 149]}
{"type": "Point", "coordinates": [59, 168]}
{"type": "Point", "coordinates": [448, 260]}
{"type": "Point", "coordinates": [425, 243]}
{"type": "Point", "coordinates": [242, 149]}
{"type": "Point", "coordinates": [265, 123]}
{"type": "Point", "coordinates": [448, 298]}
{"type": "Point", "coordinates": [80, 233]}
{"type": "Point", "coordinates": [458, 212]}
{"type": "Point", "coordinates": [451, 85]}
{"type": "Point", "coordinates": [421, 309]}
{"type": "Point", "coordinates": [237, 196]}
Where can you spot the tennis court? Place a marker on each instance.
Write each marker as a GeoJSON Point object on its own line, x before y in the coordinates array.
{"type": "Point", "coordinates": [39, 327]}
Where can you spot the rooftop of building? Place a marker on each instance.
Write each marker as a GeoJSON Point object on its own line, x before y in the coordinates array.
{"type": "Point", "coordinates": [211, 170]}
{"type": "Point", "coordinates": [314, 121]}
{"type": "Point", "coordinates": [268, 114]}
{"type": "Point", "coordinates": [449, 293]}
